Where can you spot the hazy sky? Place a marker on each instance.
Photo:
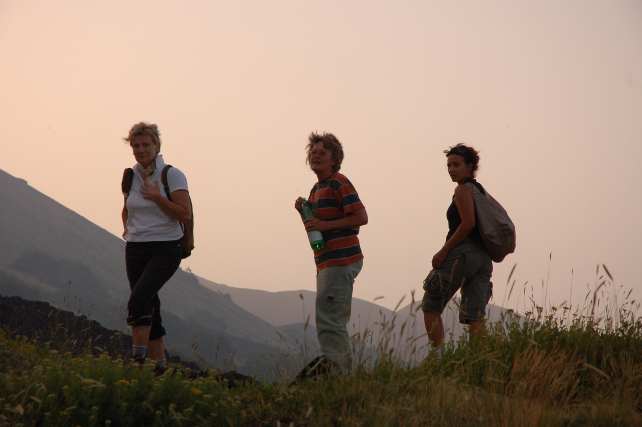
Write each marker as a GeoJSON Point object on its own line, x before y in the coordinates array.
{"type": "Point", "coordinates": [550, 92]}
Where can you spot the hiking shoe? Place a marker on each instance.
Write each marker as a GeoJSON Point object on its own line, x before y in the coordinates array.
{"type": "Point", "coordinates": [319, 368]}
{"type": "Point", "coordinates": [130, 359]}
{"type": "Point", "coordinates": [320, 377]}
{"type": "Point", "coordinates": [159, 370]}
{"type": "Point", "coordinates": [234, 379]}
{"type": "Point", "coordinates": [435, 354]}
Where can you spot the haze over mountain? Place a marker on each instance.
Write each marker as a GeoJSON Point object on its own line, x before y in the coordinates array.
{"type": "Point", "coordinates": [52, 254]}
{"type": "Point", "coordinates": [292, 309]}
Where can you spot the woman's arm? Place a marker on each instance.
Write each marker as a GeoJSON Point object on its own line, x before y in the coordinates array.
{"type": "Point", "coordinates": [466, 207]}
{"type": "Point", "coordinates": [180, 207]}
{"type": "Point", "coordinates": [125, 215]}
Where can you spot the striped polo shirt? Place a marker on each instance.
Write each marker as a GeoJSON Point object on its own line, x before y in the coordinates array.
{"type": "Point", "coordinates": [333, 199]}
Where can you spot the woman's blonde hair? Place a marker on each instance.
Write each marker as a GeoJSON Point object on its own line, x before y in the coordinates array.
{"type": "Point", "coordinates": [143, 128]}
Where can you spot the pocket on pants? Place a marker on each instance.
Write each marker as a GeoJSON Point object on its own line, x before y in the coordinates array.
{"type": "Point", "coordinates": [436, 282]}
{"type": "Point", "coordinates": [336, 295]}
{"type": "Point", "coordinates": [336, 302]}
{"type": "Point", "coordinates": [429, 278]}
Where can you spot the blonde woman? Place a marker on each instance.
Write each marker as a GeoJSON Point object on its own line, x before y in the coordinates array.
{"type": "Point", "coordinates": [154, 239]}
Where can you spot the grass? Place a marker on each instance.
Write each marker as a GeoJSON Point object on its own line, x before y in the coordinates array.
{"type": "Point", "coordinates": [548, 367]}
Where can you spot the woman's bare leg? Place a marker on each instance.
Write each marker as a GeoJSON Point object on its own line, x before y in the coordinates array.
{"type": "Point", "coordinates": [140, 334]}
{"type": "Point", "coordinates": [156, 349]}
{"type": "Point", "coordinates": [434, 328]}
{"type": "Point", "coordinates": [476, 329]}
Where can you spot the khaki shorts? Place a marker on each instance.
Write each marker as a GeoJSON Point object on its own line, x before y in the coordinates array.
{"type": "Point", "coordinates": [469, 267]}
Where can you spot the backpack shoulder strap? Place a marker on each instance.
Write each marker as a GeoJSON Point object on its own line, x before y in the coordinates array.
{"type": "Point", "coordinates": [169, 197]}
{"type": "Point", "coordinates": [165, 183]}
{"type": "Point", "coordinates": [475, 190]}
{"type": "Point", "coordinates": [128, 178]}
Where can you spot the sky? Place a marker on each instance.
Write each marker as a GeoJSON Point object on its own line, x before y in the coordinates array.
{"type": "Point", "coordinates": [549, 92]}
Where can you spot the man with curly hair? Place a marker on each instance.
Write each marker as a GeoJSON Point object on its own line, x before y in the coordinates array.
{"type": "Point", "coordinates": [338, 214]}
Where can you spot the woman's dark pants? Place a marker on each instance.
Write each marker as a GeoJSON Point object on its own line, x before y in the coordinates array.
{"type": "Point", "coordinates": [149, 266]}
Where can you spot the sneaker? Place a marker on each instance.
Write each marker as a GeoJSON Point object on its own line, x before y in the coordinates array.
{"type": "Point", "coordinates": [130, 359]}
{"type": "Point", "coordinates": [318, 369]}
{"type": "Point", "coordinates": [159, 370]}
{"type": "Point", "coordinates": [436, 353]}
{"type": "Point", "coordinates": [320, 377]}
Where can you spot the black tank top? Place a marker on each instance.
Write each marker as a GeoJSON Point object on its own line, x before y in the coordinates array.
{"type": "Point", "coordinates": [454, 220]}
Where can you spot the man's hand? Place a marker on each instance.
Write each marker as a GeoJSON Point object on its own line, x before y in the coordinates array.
{"type": "Point", "coordinates": [298, 204]}
{"type": "Point", "coordinates": [315, 224]}
{"type": "Point", "coordinates": [351, 220]}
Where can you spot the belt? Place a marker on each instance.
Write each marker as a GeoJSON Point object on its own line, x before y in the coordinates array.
{"type": "Point", "coordinates": [470, 240]}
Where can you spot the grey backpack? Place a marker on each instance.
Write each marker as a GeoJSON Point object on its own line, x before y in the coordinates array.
{"type": "Point", "coordinates": [495, 227]}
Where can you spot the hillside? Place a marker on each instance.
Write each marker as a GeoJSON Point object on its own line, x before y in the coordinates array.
{"type": "Point", "coordinates": [551, 372]}
{"type": "Point", "coordinates": [269, 305]}
{"type": "Point", "coordinates": [52, 254]}
{"type": "Point", "coordinates": [367, 318]}
{"type": "Point", "coordinates": [63, 331]}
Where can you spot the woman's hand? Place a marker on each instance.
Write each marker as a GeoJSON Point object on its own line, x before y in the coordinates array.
{"type": "Point", "coordinates": [439, 258]}
{"type": "Point", "coordinates": [150, 192]}
{"type": "Point", "coordinates": [298, 204]}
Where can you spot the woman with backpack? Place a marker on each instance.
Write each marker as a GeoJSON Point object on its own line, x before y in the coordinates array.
{"type": "Point", "coordinates": [462, 262]}
{"type": "Point", "coordinates": [154, 236]}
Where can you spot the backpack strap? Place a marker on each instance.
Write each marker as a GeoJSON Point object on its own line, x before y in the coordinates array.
{"type": "Point", "coordinates": [128, 178]}
{"type": "Point", "coordinates": [475, 190]}
{"type": "Point", "coordinates": [184, 227]}
{"type": "Point", "coordinates": [165, 183]}
{"type": "Point", "coordinates": [166, 187]}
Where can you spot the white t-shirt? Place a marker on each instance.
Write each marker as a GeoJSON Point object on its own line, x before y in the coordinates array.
{"type": "Point", "coordinates": [146, 221]}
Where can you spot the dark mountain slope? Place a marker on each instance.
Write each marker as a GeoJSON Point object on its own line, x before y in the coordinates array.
{"type": "Point", "coordinates": [33, 222]}
{"type": "Point", "coordinates": [61, 330]}
{"type": "Point", "coordinates": [50, 253]}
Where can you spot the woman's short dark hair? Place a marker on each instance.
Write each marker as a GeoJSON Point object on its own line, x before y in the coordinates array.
{"type": "Point", "coordinates": [470, 155]}
{"type": "Point", "coordinates": [330, 143]}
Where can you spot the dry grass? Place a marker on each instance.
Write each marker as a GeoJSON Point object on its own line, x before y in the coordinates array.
{"type": "Point", "coordinates": [544, 368]}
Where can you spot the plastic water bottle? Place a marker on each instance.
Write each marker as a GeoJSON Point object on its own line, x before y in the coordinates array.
{"type": "Point", "coordinates": [315, 237]}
